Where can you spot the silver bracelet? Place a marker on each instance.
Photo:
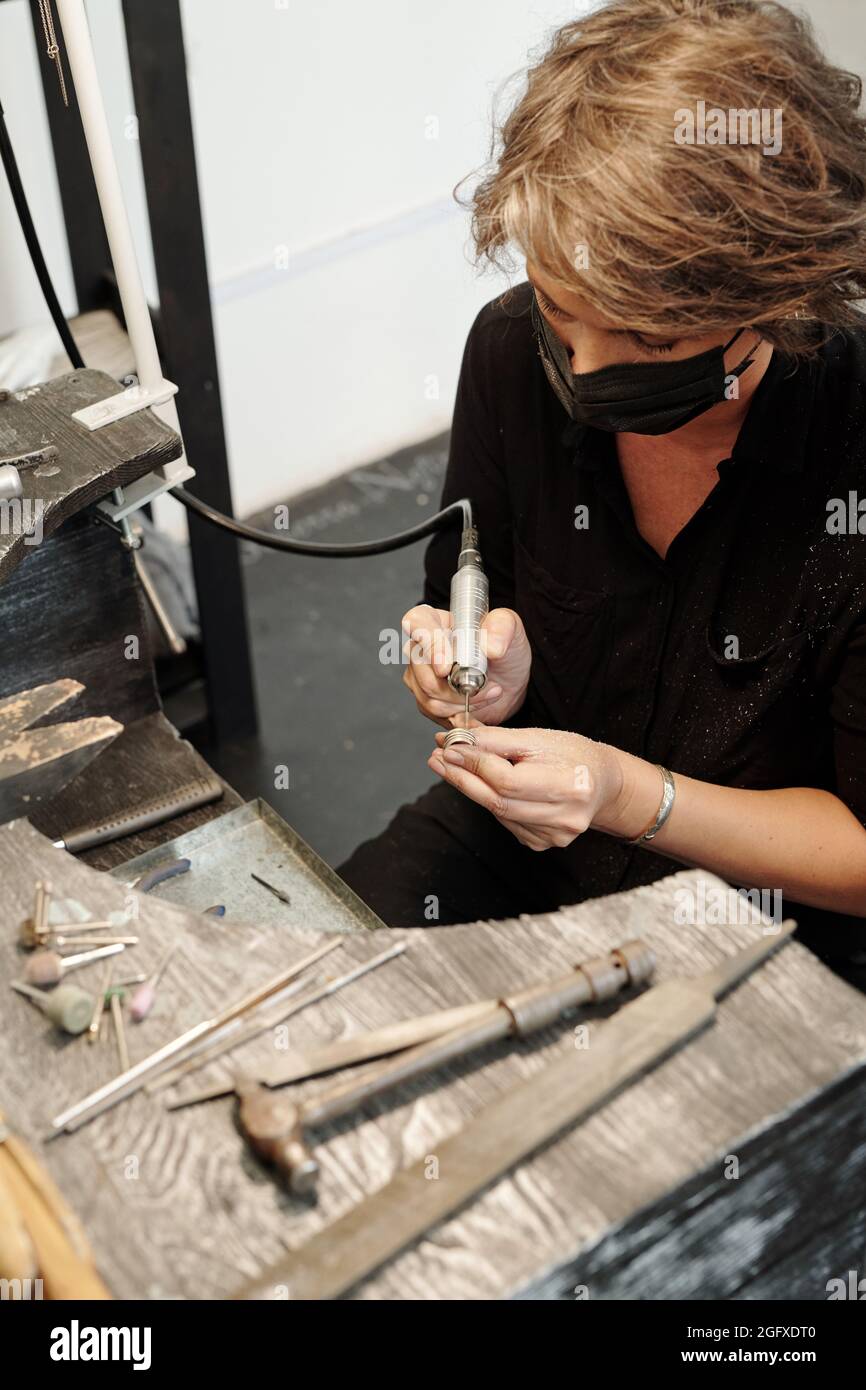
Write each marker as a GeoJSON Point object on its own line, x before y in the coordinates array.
{"type": "Point", "coordinates": [665, 807]}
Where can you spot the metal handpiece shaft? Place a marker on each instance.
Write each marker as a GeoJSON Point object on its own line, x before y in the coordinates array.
{"type": "Point", "coordinates": [469, 607]}
{"type": "Point", "coordinates": [470, 601]}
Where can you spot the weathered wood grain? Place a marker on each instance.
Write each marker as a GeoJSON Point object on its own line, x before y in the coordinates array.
{"type": "Point", "coordinates": [737, 1229]}
{"type": "Point", "coordinates": [199, 1215]}
{"type": "Point", "coordinates": [35, 766]}
{"type": "Point", "coordinates": [74, 609]}
{"type": "Point", "coordinates": [26, 709]}
{"type": "Point", "coordinates": [37, 762]}
{"type": "Point", "coordinates": [149, 763]}
{"type": "Point", "coordinates": [91, 462]}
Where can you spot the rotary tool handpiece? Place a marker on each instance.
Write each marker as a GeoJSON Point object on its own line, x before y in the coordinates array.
{"type": "Point", "coordinates": [469, 607]}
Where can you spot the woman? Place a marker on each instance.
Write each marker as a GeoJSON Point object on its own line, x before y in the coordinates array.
{"type": "Point", "coordinates": [662, 431]}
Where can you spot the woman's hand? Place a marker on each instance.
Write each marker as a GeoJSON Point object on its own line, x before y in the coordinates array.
{"type": "Point", "coordinates": [545, 786]}
{"type": "Point", "coordinates": [509, 658]}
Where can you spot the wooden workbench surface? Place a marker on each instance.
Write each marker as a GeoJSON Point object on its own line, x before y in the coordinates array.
{"type": "Point", "coordinates": [90, 462]}
{"type": "Point", "coordinates": [636, 1202]}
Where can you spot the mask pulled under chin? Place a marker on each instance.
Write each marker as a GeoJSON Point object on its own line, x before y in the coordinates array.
{"type": "Point", "coordinates": [636, 397]}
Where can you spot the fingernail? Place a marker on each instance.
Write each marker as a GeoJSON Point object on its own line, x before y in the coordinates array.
{"type": "Point", "coordinates": [452, 756]}
{"type": "Point", "coordinates": [495, 646]}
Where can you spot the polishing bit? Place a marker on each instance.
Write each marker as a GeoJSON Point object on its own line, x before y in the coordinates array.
{"type": "Point", "coordinates": [470, 599]}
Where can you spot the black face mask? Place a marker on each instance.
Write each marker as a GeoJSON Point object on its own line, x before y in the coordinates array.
{"type": "Point", "coordinates": [636, 397]}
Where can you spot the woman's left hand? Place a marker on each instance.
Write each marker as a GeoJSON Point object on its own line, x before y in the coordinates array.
{"type": "Point", "coordinates": [544, 785]}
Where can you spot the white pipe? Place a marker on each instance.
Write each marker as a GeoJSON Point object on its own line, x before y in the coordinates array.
{"type": "Point", "coordinates": [79, 49]}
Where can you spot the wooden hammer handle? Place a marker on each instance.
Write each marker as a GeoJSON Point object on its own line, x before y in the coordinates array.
{"type": "Point", "coordinates": [65, 1263]}
{"type": "Point", "coordinates": [17, 1256]}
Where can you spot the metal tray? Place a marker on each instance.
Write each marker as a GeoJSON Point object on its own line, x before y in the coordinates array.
{"type": "Point", "coordinates": [253, 838]}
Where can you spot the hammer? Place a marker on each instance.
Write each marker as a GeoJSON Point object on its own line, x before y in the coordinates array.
{"type": "Point", "coordinates": [276, 1126]}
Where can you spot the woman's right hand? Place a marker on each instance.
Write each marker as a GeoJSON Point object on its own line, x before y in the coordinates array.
{"type": "Point", "coordinates": [509, 658]}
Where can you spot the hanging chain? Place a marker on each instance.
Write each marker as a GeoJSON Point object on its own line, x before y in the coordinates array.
{"type": "Point", "coordinates": [52, 45]}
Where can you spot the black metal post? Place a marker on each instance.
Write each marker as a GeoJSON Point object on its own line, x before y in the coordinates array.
{"type": "Point", "coordinates": [158, 66]}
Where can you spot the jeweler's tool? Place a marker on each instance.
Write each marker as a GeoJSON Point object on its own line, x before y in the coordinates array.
{"type": "Point", "coordinates": [58, 939]}
{"type": "Point", "coordinates": [277, 892]}
{"type": "Point", "coordinates": [172, 868]}
{"type": "Point", "coordinates": [94, 1028]}
{"type": "Point", "coordinates": [35, 929]}
{"type": "Point", "coordinates": [120, 1087]}
{"type": "Point", "coordinates": [67, 1006]}
{"type": "Point", "coordinates": [470, 599]}
{"type": "Point", "coordinates": [276, 1125]}
{"type": "Point", "coordinates": [347, 1052]}
{"type": "Point", "coordinates": [640, 1035]}
{"type": "Point", "coordinates": [48, 968]}
{"type": "Point", "coordinates": [278, 1014]}
{"type": "Point", "coordinates": [233, 1035]}
{"type": "Point", "coordinates": [199, 792]}
{"type": "Point", "coordinates": [83, 926]}
{"type": "Point", "coordinates": [115, 997]}
{"type": "Point", "coordinates": [144, 998]}
{"type": "Point", "coordinates": [30, 938]}
{"type": "Point", "coordinates": [41, 905]}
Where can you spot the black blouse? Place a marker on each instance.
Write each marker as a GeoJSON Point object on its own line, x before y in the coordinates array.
{"type": "Point", "coordinates": [739, 659]}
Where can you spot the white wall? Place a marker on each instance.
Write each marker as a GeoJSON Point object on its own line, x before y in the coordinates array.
{"type": "Point", "coordinates": [313, 127]}
{"type": "Point", "coordinates": [841, 28]}
{"type": "Point", "coordinates": [313, 122]}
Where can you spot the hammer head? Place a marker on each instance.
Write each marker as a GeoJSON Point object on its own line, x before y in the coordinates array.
{"type": "Point", "coordinates": [272, 1125]}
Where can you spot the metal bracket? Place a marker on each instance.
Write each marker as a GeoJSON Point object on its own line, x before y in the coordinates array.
{"type": "Point", "coordinates": [123, 403]}
{"type": "Point", "coordinates": [144, 490]}
{"type": "Point", "coordinates": [137, 495]}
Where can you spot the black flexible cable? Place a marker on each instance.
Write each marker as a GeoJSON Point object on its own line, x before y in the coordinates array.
{"type": "Point", "coordinates": [19, 198]}
{"type": "Point", "coordinates": [194, 504]}
{"type": "Point", "coordinates": [334, 549]}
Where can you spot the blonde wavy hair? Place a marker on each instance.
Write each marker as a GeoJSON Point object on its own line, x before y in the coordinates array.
{"type": "Point", "coordinates": [685, 237]}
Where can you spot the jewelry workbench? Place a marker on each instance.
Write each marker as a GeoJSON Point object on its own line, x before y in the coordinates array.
{"type": "Point", "coordinates": [733, 1168]}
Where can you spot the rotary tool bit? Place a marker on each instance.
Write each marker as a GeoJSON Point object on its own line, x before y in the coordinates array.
{"type": "Point", "coordinates": [469, 607]}
{"type": "Point", "coordinates": [144, 997]}
{"type": "Point", "coordinates": [48, 968]}
{"type": "Point", "coordinates": [67, 1006]}
{"type": "Point", "coordinates": [94, 1028]}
